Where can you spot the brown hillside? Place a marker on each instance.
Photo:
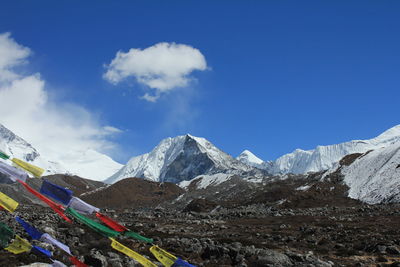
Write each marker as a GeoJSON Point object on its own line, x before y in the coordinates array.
{"type": "Point", "coordinates": [133, 193]}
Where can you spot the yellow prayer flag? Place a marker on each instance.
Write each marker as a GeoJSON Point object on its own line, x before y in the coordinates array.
{"type": "Point", "coordinates": [8, 203]}
{"type": "Point", "coordinates": [166, 258]}
{"type": "Point", "coordinates": [19, 245]}
{"type": "Point", "coordinates": [35, 171]}
{"type": "Point", "coordinates": [130, 253]}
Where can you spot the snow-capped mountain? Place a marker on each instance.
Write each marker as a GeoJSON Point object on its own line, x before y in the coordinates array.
{"type": "Point", "coordinates": [250, 159]}
{"type": "Point", "coordinates": [91, 164]}
{"type": "Point", "coordinates": [324, 157]}
{"type": "Point", "coordinates": [375, 176]}
{"type": "Point", "coordinates": [178, 159]}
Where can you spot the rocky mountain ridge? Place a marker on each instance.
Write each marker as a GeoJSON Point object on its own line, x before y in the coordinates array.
{"type": "Point", "coordinates": [181, 158]}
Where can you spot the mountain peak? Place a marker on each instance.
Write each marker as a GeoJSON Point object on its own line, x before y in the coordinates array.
{"type": "Point", "coordinates": [178, 159]}
{"type": "Point", "coordinates": [249, 158]}
{"type": "Point", "coordinates": [392, 133]}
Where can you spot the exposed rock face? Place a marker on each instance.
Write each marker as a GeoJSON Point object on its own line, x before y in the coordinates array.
{"type": "Point", "coordinates": [181, 158]}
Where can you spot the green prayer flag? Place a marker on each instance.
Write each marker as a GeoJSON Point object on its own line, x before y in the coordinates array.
{"type": "Point", "coordinates": [6, 234]}
{"type": "Point", "coordinates": [138, 237]}
{"type": "Point", "coordinates": [4, 155]}
{"type": "Point", "coordinates": [98, 227]}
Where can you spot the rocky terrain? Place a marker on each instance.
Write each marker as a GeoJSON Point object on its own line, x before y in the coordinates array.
{"type": "Point", "coordinates": [251, 235]}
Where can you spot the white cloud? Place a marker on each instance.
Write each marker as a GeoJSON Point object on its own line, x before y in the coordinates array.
{"type": "Point", "coordinates": [11, 55]}
{"type": "Point", "coordinates": [52, 126]}
{"type": "Point", "coordinates": [161, 67]}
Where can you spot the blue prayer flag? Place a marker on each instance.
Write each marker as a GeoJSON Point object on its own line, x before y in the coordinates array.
{"type": "Point", "coordinates": [56, 192]}
{"type": "Point", "coordinates": [32, 231]}
{"type": "Point", "coordinates": [41, 251]}
{"type": "Point", "coordinates": [181, 263]}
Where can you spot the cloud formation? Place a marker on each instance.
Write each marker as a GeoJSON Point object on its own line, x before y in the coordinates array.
{"type": "Point", "coordinates": [161, 67]}
{"type": "Point", "coordinates": [52, 126]}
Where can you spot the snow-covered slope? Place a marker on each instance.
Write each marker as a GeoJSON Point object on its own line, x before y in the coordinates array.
{"type": "Point", "coordinates": [375, 176]}
{"type": "Point", "coordinates": [250, 159]}
{"type": "Point", "coordinates": [178, 159]}
{"type": "Point", "coordinates": [324, 157]}
{"type": "Point", "coordinates": [91, 164]}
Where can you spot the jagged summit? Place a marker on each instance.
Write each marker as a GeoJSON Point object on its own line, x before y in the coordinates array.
{"type": "Point", "coordinates": [178, 159]}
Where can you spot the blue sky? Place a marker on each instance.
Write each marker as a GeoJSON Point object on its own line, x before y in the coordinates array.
{"type": "Point", "coordinates": [280, 75]}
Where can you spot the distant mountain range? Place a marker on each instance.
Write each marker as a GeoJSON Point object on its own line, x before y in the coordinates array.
{"type": "Point", "coordinates": [322, 157]}
{"type": "Point", "coordinates": [91, 164]}
{"type": "Point", "coordinates": [195, 163]}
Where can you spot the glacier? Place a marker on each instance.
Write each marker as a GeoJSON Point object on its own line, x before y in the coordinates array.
{"type": "Point", "coordinates": [323, 157]}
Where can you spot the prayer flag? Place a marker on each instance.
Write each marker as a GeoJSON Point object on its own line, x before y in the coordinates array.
{"type": "Point", "coordinates": [166, 258]}
{"type": "Point", "coordinates": [57, 264]}
{"type": "Point", "coordinates": [81, 206]}
{"type": "Point", "coordinates": [32, 231]}
{"type": "Point", "coordinates": [4, 155]}
{"type": "Point", "coordinates": [111, 223]}
{"type": "Point", "coordinates": [6, 234]}
{"type": "Point", "coordinates": [56, 207]}
{"type": "Point", "coordinates": [34, 170]}
{"type": "Point", "coordinates": [104, 230]}
{"type": "Point", "coordinates": [13, 173]}
{"type": "Point", "coordinates": [50, 240]}
{"type": "Point", "coordinates": [8, 203]}
{"type": "Point", "coordinates": [138, 237]}
{"type": "Point", "coordinates": [77, 262]}
{"type": "Point", "coordinates": [57, 192]}
{"type": "Point", "coordinates": [19, 245]}
{"type": "Point", "coordinates": [41, 251]}
{"type": "Point", "coordinates": [130, 253]}
{"type": "Point", "coordinates": [181, 263]}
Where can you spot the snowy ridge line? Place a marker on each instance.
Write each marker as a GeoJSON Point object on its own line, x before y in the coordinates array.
{"type": "Point", "coordinates": [322, 157]}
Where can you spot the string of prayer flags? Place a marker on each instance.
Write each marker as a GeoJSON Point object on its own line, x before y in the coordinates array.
{"type": "Point", "coordinates": [81, 206]}
{"type": "Point", "coordinates": [12, 173]}
{"type": "Point", "coordinates": [77, 262]}
{"type": "Point", "coordinates": [32, 231]}
{"type": "Point", "coordinates": [56, 192]}
{"type": "Point", "coordinates": [138, 237]}
{"type": "Point", "coordinates": [6, 234]}
{"type": "Point", "coordinates": [50, 240]}
{"type": "Point", "coordinates": [104, 230]}
{"type": "Point", "coordinates": [41, 251]}
{"type": "Point", "coordinates": [4, 155]}
{"type": "Point", "coordinates": [120, 228]}
{"type": "Point", "coordinates": [166, 258]}
{"type": "Point", "coordinates": [111, 223]}
{"type": "Point", "coordinates": [19, 245]}
{"type": "Point", "coordinates": [130, 253]}
{"type": "Point", "coordinates": [181, 263]}
{"type": "Point", "coordinates": [8, 203]}
{"type": "Point", "coordinates": [54, 206]}
{"type": "Point", "coordinates": [34, 170]}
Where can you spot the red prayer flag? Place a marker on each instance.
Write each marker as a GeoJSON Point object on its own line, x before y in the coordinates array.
{"type": "Point", "coordinates": [111, 223]}
{"type": "Point", "coordinates": [77, 262]}
{"type": "Point", "coordinates": [56, 207]}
